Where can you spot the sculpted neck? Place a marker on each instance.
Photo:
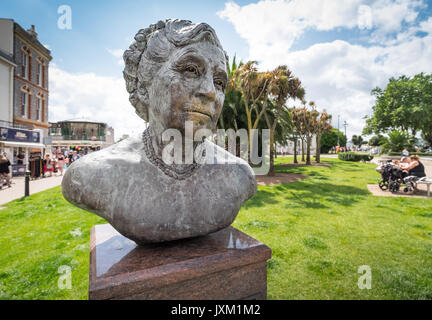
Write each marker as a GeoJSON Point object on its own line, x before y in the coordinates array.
{"type": "Point", "coordinates": [188, 146]}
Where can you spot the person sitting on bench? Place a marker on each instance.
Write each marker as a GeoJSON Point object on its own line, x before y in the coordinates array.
{"type": "Point", "coordinates": [415, 167]}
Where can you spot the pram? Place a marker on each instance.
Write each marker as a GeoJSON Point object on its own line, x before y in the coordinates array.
{"type": "Point", "coordinates": [392, 177]}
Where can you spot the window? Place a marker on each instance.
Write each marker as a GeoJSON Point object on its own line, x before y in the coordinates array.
{"type": "Point", "coordinates": [24, 66]}
{"type": "Point", "coordinates": [43, 110]}
{"type": "Point", "coordinates": [43, 76]}
{"type": "Point", "coordinates": [24, 104]}
{"type": "Point", "coordinates": [39, 74]}
{"type": "Point", "coordinates": [39, 109]}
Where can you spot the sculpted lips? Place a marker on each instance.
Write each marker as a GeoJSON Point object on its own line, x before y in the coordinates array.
{"type": "Point", "coordinates": [200, 111]}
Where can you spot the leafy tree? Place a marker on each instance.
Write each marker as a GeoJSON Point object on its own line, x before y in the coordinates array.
{"type": "Point", "coordinates": [397, 141]}
{"type": "Point", "coordinates": [232, 115]}
{"type": "Point", "coordinates": [377, 140]}
{"type": "Point", "coordinates": [357, 140]}
{"type": "Point", "coordinates": [253, 86]}
{"type": "Point", "coordinates": [283, 86]}
{"type": "Point", "coordinates": [330, 140]}
{"type": "Point", "coordinates": [303, 122]}
{"type": "Point", "coordinates": [322, 125]}
{"type": "Point", "coordinates": [404, 105]}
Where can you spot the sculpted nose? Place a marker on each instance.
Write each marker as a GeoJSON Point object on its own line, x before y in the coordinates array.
{"type": "Point", "coordinates": [207, 89]}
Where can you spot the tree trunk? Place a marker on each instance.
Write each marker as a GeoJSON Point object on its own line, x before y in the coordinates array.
{"type": "Point", "coordinates": [272, 152]}
{"type": "Point", "coordinates": [308, 145]}
{"type": "Point", "coordinates": [318, 148]}
{"type": "Point", "coordinates": [295, 151]}
{"type": "Point", "coordinates": [303, 150]}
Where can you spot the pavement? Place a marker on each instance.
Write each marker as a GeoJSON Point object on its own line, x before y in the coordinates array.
{"type": "Point", "coordinates": [17, 189]}
{"type": "Point", "coordinates": [420, 193]}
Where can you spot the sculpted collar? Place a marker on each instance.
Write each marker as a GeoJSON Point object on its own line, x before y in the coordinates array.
{"type": "Point", "coordinates": [178, 172]}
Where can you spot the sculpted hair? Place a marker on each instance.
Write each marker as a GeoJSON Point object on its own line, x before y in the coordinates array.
{"type": "Point", "coordinates": [151, 48]}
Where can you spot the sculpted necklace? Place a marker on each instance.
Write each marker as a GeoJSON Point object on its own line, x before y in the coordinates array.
{"type": "Point", "coordinates": [178, 172]}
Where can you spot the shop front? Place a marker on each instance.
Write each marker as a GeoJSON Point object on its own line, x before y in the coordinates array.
{"type": "Point", "coordinates": [20, 146]}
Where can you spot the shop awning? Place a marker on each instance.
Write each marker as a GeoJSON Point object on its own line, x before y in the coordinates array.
{"type": "Point", "coordinates": [65, 143]}
{"type": "Point", "coordinates": [22, 144]}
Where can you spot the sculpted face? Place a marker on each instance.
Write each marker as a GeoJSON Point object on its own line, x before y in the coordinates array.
{"type": "Point", "coordinates": [189, 87]}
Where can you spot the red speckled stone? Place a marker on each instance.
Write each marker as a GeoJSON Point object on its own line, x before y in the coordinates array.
{"type": "Point", "coordinates": [227, 264]}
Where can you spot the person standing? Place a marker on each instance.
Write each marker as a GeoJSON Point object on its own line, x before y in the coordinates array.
{"type": "Point", "coordinates": [73, 157]}
{"type": "Point", "coordinates": [60, 162]}
{"type": "Point", "coordinates": [48, 166]}
{"type": "Point", "coordinates": [20, 158]}
{"type": "Point", "coordinates": [4, 170]}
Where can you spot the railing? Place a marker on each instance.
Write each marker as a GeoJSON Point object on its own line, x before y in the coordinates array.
{"type": "Point", "coordinates": [78, 137]}
{"type": "Point", "coordinates": [10, 124]}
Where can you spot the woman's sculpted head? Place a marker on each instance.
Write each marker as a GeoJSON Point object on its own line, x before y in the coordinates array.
{"type": "Point", "coordinates": [175, 71]}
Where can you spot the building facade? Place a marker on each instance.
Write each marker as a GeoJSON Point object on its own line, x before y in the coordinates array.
{"type": "Point", "coordinates": [7, 68]}
{"type": "Point", "coordinates": [85, 134]}
{"type": "Point", "coordinates": [24, 63]}
{"type": "Point", "coordinates": [288, 147]}
{"type": "Point", "coordinates": [31, 79]}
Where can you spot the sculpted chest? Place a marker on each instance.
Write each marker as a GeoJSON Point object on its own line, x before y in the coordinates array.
{"type": "Point", "coordinates": [146, 205]}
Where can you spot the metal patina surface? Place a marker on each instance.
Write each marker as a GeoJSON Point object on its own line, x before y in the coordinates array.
{"type": "Point", "coordinates": [175, 72]}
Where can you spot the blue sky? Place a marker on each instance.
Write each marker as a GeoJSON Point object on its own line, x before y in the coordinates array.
{"type": "Point", "coordinates": [339, 49]}
{"type": "Point", "coordinates": [101, 25]}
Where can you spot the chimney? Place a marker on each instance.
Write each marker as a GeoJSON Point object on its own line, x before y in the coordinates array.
{"type": "Point", "coordinates": [32, 32]}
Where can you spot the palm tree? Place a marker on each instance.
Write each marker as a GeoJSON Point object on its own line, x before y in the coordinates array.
{"type": "Point", "coordinates": [232, 115]}
{"type": "Point", "coordinates": [322, 126]}
{"type": "Point", "coordinates": [357, 140]}
{"type": "Point", "coordinates": [283, 85]}
{"type": "Point", "coordinates": [253, 87]}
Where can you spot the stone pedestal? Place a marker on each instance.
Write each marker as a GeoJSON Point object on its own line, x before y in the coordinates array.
{"type": "Point", "coordinates": [227, 264]}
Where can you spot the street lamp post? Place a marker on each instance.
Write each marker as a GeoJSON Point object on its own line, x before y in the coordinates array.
{"type": "Point", "coordinates": [345, 125]}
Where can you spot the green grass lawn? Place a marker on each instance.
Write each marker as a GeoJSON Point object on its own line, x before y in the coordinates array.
{"type": "Point", "coordinates": [320, 230]}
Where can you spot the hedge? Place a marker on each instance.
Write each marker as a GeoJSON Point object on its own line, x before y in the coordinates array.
{"type": "Point", "coordinates": [352, 156]}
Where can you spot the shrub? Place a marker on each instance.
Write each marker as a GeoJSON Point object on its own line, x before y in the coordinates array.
{"type": "Point", "coordinates": [352, 156]}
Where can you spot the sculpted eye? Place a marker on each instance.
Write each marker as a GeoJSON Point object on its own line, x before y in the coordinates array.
{"type": "Point", "coordinates": [192, 70]}
{"type": "Point", "coordinates": [220, 84]}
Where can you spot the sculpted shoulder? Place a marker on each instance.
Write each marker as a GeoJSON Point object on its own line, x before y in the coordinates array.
{"type": "Point", "coordinates": [100, 171]}
{"type": "Point", "coordinates": [239, 171]}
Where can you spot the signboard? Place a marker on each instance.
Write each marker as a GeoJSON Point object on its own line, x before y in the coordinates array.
{"type": "Point", "coordinates": [19, 135]}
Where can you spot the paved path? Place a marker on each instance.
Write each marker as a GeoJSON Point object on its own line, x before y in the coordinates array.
{"type": "Point", "coordinates": [376, 191]}
{"type": "Point", "coordinates": [17, 189]}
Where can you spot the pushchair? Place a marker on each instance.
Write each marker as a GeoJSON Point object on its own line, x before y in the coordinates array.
{"type": "Point", "coordinates": [392, 177]}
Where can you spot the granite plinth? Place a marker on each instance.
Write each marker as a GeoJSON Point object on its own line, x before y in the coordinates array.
{"type": "Point", "coordinates": [227, 264]}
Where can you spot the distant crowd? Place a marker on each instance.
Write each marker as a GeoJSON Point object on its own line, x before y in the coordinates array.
{"type": "Point", "coordinates": [54, 163]}
{"type": "Point", "coordinates": [59, 161]}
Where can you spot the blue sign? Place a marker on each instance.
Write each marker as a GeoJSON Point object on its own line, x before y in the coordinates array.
{"type": "Point", "coordinates": [19, 135]}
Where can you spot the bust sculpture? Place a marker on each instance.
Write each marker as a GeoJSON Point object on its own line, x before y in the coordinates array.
{"type": "Point", "coordinates": [175, 72]}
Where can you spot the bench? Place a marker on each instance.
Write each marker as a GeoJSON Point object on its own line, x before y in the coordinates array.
{"type": "Point", "coordinates": [427, 181]}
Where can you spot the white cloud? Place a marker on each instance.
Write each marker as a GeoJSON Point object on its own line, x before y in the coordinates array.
{"type": "Point", "coordinates": [388, 17]}
{"type": "Point", "coordinates": [91, 96]}
{"type": "Point", "coordinates": [337, 75]}
{"type": "Point", "coordinates": [117, 53]}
